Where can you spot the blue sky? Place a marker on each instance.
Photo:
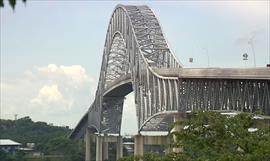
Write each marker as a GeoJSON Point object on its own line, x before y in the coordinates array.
{"type": "Point", "coordinates": [51, 50]}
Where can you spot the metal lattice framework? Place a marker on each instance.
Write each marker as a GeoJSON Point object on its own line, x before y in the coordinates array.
{"type": "Point", "coordinates": [137, 58]}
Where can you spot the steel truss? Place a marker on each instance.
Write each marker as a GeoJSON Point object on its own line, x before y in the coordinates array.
{"type": "Point", "coordinates": [135, 48]}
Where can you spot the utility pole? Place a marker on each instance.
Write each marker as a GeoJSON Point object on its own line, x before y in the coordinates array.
{"type": "Point", "coordinates": [15, 117]}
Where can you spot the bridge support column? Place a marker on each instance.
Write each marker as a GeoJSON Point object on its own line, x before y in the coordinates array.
{"type": "Point", "coordinates": [99, 148]}
{"type": "Point", "coordinates": [140, 141]}
{"type": "Point", "coordinates": [105, 150]}
{"type": "Point", "coordinates": [177, 128]}
{"type": "Point", "coordinates": [102, 146]}
{"type": "Point", "coordinates": [119, 147]}
{"type": "Point", "coordinates": [87, 145]}
{"type": "Point", "coordinates": [138, 145]}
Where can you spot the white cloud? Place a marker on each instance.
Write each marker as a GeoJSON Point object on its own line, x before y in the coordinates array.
{"type": "Point", "coordinates": [55, 93]}
{"type": "Point", "coordinates": [75, 75]}
{"type": "Point", "coordinates": [5, 86]}
{"type": "Point", "coordinates": [49, 96]}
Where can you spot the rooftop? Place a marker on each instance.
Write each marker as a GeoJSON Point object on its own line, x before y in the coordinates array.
{"type": "Point", "coordinates": [8, 142]}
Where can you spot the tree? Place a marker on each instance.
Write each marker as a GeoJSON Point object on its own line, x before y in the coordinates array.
{"type": "Point", "coordinates": [18, 156]}
{"type": "Point", "coordinates": [66, 147]}
{"type": "Point", "coordinates": [145, 157]}
{"type": "Point", "coordinates": [213, 136]}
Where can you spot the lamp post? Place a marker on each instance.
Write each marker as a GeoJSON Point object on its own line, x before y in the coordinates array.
{"type": "Point", "coordinates": [191, 61]}
{"type": "Point", "coordinates": [245, 58]}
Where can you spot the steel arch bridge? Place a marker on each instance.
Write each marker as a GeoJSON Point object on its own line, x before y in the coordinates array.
{"type": "Point", "coordinates": [137, 58]}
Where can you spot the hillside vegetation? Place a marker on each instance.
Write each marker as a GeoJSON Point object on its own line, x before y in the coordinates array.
{"type": "Point", "coordinates": [24, 130]}
{"type": "Point", "coordinates": [49, 140]}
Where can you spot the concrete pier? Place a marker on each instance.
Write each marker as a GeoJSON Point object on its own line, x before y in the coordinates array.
{"type": "Point", "coordinates": [99, 141]}
{"type": "Point", "coordinates": [119, 147]}
{"type": "Point", "coordinates": [177, 128]}
{"type": "Point", "coordinates": [87, 138]}
{"type": "Point", "coordinates": [102, 146]}
{"type": "Point", "coordinates": [138, 145]}
{"type": "Point", "coordinates": [105, 151]}
{"type": "Point", "coordinates": [140, 141]}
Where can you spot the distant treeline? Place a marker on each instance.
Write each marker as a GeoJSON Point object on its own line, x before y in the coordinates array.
{"type": "Point", "coordinates": [48, 139]}
{"type": "Point", "coordinates": [24, 131]}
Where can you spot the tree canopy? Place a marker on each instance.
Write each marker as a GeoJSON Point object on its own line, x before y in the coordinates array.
{"type": "Point", "coordinates": [211, 136]}
{"type": "Point", "coordinates": [24, 130]}
{"type": "Point", "coordinates": [49, 140]}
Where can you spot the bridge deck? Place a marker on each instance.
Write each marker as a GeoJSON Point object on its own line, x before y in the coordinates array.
{"type": "Point", "coordinates": [216, 73]}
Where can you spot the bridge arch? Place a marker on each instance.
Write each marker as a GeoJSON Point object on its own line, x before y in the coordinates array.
{"type": "Point", "coordinates": [134, 45]}
{"type": "Point", "coordinates": [137, 57]}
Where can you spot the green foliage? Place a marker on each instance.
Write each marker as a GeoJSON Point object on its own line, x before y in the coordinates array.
{"type": "Point", "coordinates": [212, 136]}
{"type": "Point", "coordinates": [145, 157]}
{"type": "Point", "coordinates": [4, 156]}
{"type": "Point", "coordinates": [19, 156]}
{"type": "Point", "coordinates": [128, 158]}
{"type": "Point", "coordinates": [64, 146]}
{"type": "Point", "coordinates": [50, 140]}
{"type": "Point", "coordinates": [24, 130]}
{"type": "Point", "coordinates": [12, 3]}
{"type": "Point", "coordinates": [59, 145]}
{"type": "Point", "coordinates": [152, 157]}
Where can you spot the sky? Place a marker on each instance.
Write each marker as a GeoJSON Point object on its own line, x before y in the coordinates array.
{"type": "Point", "coordinates": [51, 51]}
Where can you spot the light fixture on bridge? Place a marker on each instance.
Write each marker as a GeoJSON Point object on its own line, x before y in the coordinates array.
{"type": "Point", "coordinates": [190, 60]}
{"type": "Point", "coordinates": [245, 58]}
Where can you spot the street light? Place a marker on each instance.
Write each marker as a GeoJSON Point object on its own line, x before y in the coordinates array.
{"type": "Point", "coordinates": [190, 60]}
{"type": "Point", "coordinates": [245, 58]}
